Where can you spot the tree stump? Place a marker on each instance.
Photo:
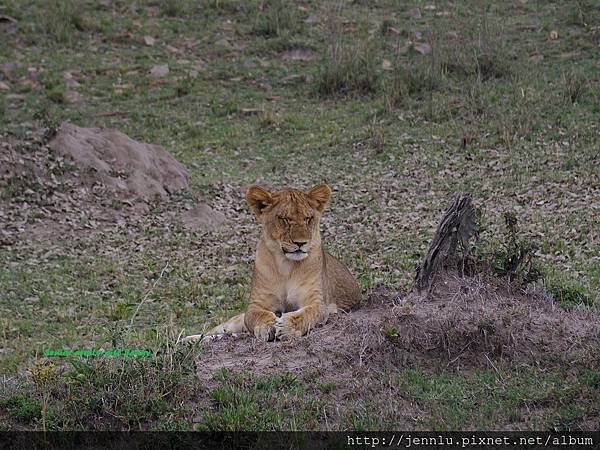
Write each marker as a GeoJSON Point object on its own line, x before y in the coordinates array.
{"type": "Point", "coordinates": [457, 226]}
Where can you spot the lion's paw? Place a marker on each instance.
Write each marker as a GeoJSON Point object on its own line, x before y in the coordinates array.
{"type": "Point", "coordinates": [284, 328]}
{"type": "Point", "coordinates": [265, 332]}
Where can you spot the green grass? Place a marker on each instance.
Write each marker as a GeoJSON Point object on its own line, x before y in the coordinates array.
{"type": "Point", "coordinates": [271, 402]}
{"type": "Point", "coordinates": [497, 108]}
{"type": "Point", "coordinates": [529, 398]}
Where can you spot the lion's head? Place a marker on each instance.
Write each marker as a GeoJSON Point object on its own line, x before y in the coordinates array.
{"type": "Point", "coordinates": [290, 218]}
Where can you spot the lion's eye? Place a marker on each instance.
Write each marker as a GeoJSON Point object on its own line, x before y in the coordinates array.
{"type": "Point", "coordinates": [283, 221]}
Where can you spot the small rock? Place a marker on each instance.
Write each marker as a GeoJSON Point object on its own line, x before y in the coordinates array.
{"type": "Point", "coordinates": [414, 13]}
{"type": "Point", "coordinates": [69, 80]}
{"type": "Point", "coordinates": [553, 35]}
{"type": "Point", "coordinates": [422, 47]}
{"type": "Point", "coordinates": [386, 64]}
{"type": "Point", "coordinates": [198, 64]}
{"type": "Point", "coordinates": [122, 37]}
{"type": "Point", "coordinates": [224, 43]}
{"type": "Point", "coordinates": [172, 49]}
{"type": "Point", "coordinates": [148, 41]}
{"type": "Point", "coordinates": [5, 18]}
{"type": "Point", "coordinates": [74, 98]}
{"type": "Point", "coordinates": [4, 86]}
{"type": "Point", "coordinates": [202, 218]}
{"type": "Point", "coordinates": [313, 18]}
{"type": "Point", "coordinates": [159, 71]}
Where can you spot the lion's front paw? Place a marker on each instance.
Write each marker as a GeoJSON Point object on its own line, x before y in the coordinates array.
{"type": "Point", "coordinates": [265, 332]}
{"type": "Point", "coordinates": [287, 326]}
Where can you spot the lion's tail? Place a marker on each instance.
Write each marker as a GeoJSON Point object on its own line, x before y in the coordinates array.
{"type": "Point", "coordinates": [233, 325]}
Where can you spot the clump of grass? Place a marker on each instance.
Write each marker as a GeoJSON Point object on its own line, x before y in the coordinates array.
{"type": "Point", "coordinates": [184, 86]}
{"type": "Point", "coordinates": [567, 292]}
{"type": "Point", "coordinates": [513, 117]}
{"type": "Point", "coordinates": [62, 18]}
{"type": "Point", "coordinates": [376, 137]}
{"type": "Point", "coordinates": [346, 68]}
{"type": "Point", "coordinates": [480, 51]}
{"type": "Point", "coordinates": [574, 85]}
{"type": "Point", "coordinates": [3, 108]}
{"type": "Point", "coordinates": [175, 8]}
{"type": "Point", "coordinates": [269, 119]}
{"type": "Point", "coordinates": [227, 6]}
{"type": "Point", "coordinates": [407, 82]}
{"type": "Point", "coordinates": [110, 394]}
{"type": "Point", "coordinates": [57, 94]}
{"type": "Point", "coordinates": [275, 18]}
{"type": "Point", "coordinates": [350, 70]}
{"type": "Point", "coordinates": [582, 12]}
{"type": "Point", "coordinates": [22, 407]}
{"type": "Point", "coordinates": [386, 27]}
{"type": "Point", "coordinates": [265, 403]}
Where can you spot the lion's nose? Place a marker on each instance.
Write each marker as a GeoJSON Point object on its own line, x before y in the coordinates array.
{"type": "Point", "coordinates": [300, 243]}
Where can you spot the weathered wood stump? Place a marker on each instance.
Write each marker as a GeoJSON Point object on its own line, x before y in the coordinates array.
{"type": "Point", "coordinates": [457, 226]}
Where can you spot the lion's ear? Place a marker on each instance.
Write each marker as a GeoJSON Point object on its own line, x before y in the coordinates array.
{"type": "Point", "coordinates": [319, 196]}
{"type": "Point", "coordinates": [258, 199]}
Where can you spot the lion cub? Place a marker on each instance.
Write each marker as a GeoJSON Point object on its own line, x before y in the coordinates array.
{"type": "Point", "coordinates": [296, 284]}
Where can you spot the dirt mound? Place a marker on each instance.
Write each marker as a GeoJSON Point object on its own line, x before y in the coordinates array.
{"type": "Point", "coordinates": [466, 323]}
{"type": "Point", "coordinates": [120, 163]}
{"type": "Point", "coordinates": [86, 181]}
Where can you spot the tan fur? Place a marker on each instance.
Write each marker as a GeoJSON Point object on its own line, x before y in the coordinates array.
{"type": "Point", "coordinates": [296, 284]}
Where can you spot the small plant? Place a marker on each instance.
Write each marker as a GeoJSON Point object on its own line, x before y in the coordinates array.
{"type": "Point", "coordinates": [175, 8]}
{"type": "Point", "coordinates": [57, 94]}
{"type": "Point", "coordinates": [61, 18]}
{"type": "Point", "coordinates": [269, 119]}
{"type": "Point", "coordinates": [480, 51]}
{"type": "Point", "coordinates": [184, 86]}
{"type": "Point", "coordinates": [390, 332]}
{"type": "Point", "coordinates": [387, 26]}
{"type": "Point", "coordinates": [346, 68]}
{"type": "Point", "coordinates": [574, 86]}
{"type": "Point", "coordinates": [406, 82]}
{"type": "Point", "coordinates": [22, 407]}
{"type": "Point", "coordinates": [376, 137]}
{"type": "Point", "coordinates": [275, 18]}
{"type": "Point", "coordinates": [45, 378]}
{"type": "Point", "coordinates": [515, 257]}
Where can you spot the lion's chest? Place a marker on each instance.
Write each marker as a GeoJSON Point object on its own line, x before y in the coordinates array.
{"type": "Point", "coordinates": [291, 297]}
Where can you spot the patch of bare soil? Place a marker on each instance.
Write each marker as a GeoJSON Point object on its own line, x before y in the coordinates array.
{"type": "Point", "coordinates": [464, 324]}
